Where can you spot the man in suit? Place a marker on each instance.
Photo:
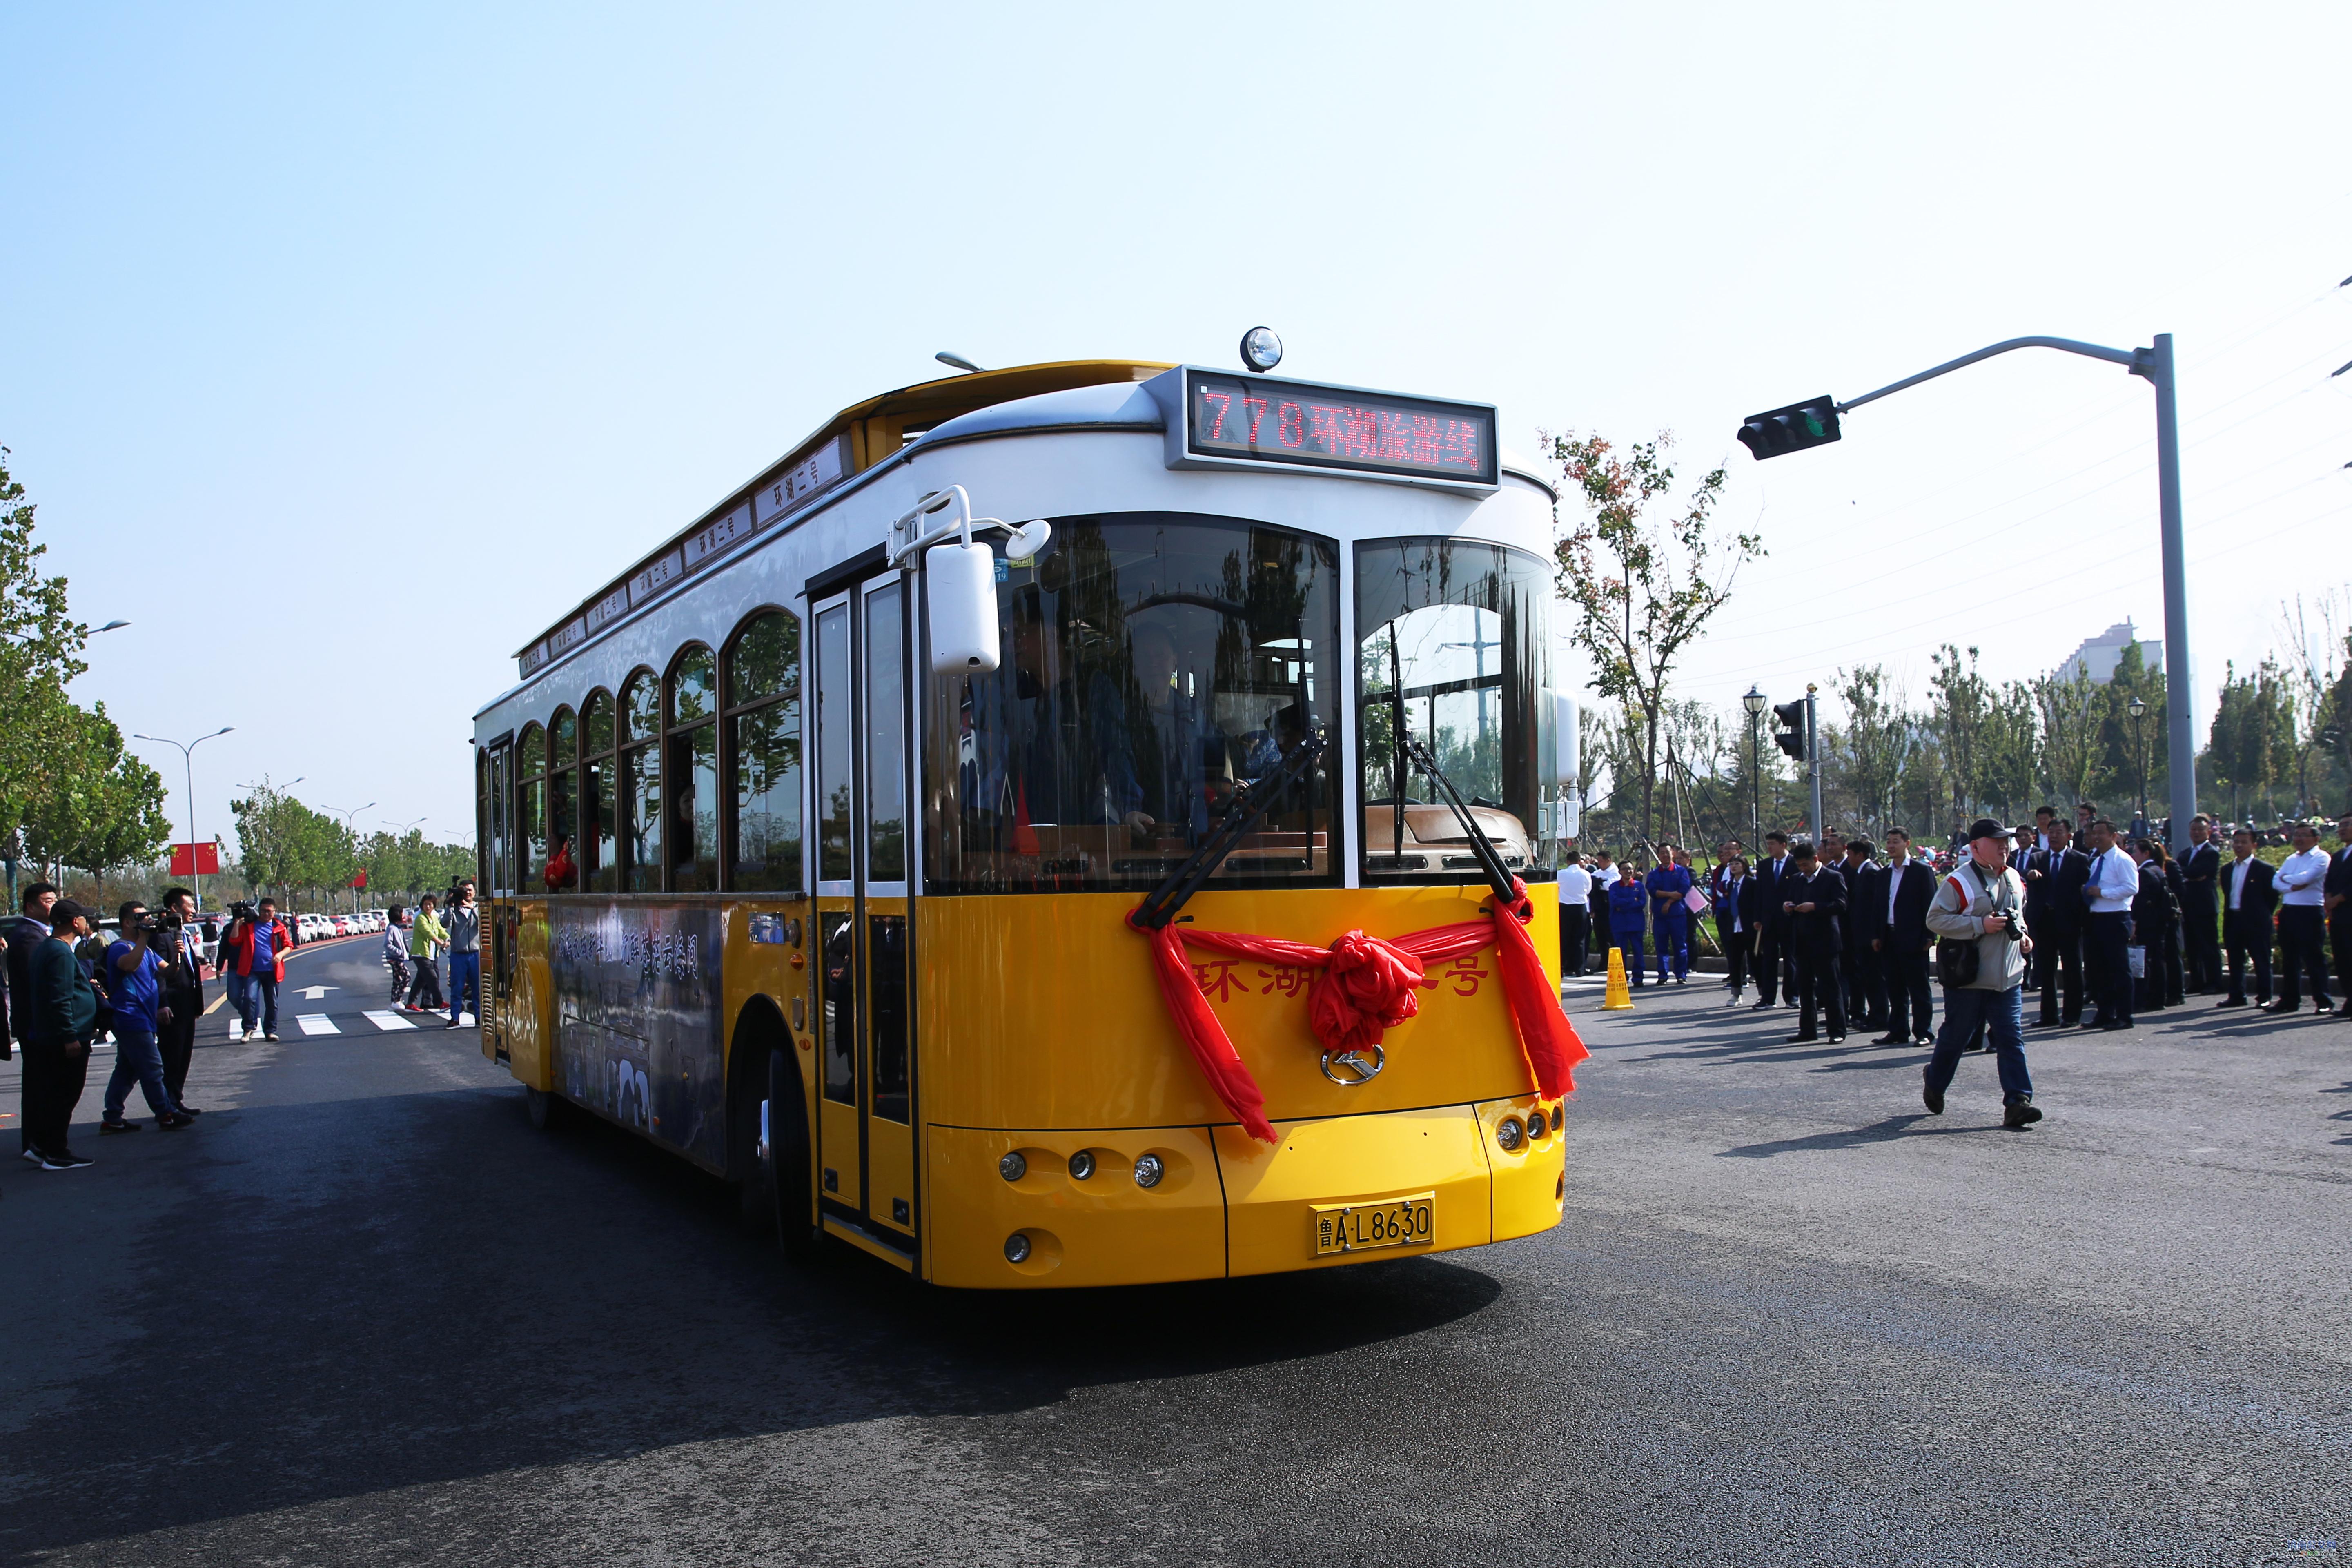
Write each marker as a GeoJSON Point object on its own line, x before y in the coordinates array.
{"type": "Point", "coordinates": [1899, 896]}
{"type": "Point", "coordinates": [1735, 921]}
{"type": "Point", "coordinates": [180, 946]}
{"type": "Point", "coordinates": [26, 934]}
{"type": "Point", "coordinates": [63, 1016]}
{"type": "Point", "coordinates": [2108, 889]}
{"type": "Point", "coordinates": [2248, 897]}
{"type": "Point", "coordinates": [1865, 989]}
{"type": "Point", "coordinates": [1775, 973]}
{"type": "Point", "coordinates": [1813, 900]}
{"type": "Point", "coordinates": [2200, 879]}
{"type": "Point", "coordinates": [2337, 898]}
{"type": "Point", "coordinates": [2053, 914]}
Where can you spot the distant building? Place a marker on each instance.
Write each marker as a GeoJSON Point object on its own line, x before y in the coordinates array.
{"type": "Point", "coordinates": [2098, 657]}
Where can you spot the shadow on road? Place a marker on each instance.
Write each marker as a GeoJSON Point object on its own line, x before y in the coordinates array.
{"type": "Point", "coordinates": [1894, 1127]}
{"type": "Point", "coordinates": [367, 1294]}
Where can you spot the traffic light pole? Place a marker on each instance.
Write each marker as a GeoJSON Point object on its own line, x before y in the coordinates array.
{"type": "Point", "coordinates": [1813, 752]}
{"type": "Point", "coordinates": [2155, 362]}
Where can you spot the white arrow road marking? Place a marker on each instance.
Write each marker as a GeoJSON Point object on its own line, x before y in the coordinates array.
{"type": "Point", "coordinates": [312, 992]}
{"type": "Point", "coordinates": [384, 1018]}
{"type": "Point", "coordinates": [316, 1024]}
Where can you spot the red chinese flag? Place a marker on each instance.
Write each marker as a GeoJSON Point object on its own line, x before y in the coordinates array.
{"type": "Point", "coordinates": [359, 880]}
{"type": "Point", "coordinates": [196, 859]}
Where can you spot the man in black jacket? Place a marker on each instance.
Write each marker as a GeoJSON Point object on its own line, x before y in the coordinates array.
{"type": "Point", "coordinates": [2200, 929]}
{"type": "Point", "coordinates": [2053, 914]}
{"type": "Point", "coordinates": [1813, 899]}
{"type": "Point", "coordinates": [2247, 900]}
{"type": "Point", "coordinates": [1866, 989]}
{"type": "Point", "coordinates": [180, 946]}
{"type": "Point", "coordinates": [1773, 968]}
{"type": "Point", "coordinates": [63, 1012]}
{"type": "Point", "coordinates": [1900, 940]}
{"type": "Point", "coordinates": [26, 934]}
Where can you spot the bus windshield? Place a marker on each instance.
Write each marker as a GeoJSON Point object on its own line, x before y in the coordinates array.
{"type": "Point", "coordinates": [1152, 662]}
{"type": "Point", "coordinates": [1451, 637]}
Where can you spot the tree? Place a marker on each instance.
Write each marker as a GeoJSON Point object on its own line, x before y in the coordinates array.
{"type": "Point", "coordinates": [2071, 712]}
{"type": "Point", "coordinates": [101, 808]}
{"type": "Point", "coordinates": [1878, 741]}
{"type": "Point", "coordinates": [2250, 746]}
{"type": "Point", "coordinates": [40, 654]}
{"type": "Point", "coordinates": [1669, 578]}
{"type": "Point", "coordinates": [2316, 642]}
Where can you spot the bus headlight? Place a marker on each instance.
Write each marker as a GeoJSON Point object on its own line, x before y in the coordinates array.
{"type": "Point", "coordinates": [1535, 1122]}
{"type": "Point", "coordinates": [1013, 1167]}
{"type": "Point", "coordinates": [1510, 1134]}
{"type": "Point", "coordinates": [1082, 1165]}
{"type": "Point", "coordinates": [1149, 1170]}
{"type": "Point", "coordinates": [1016, 1248]}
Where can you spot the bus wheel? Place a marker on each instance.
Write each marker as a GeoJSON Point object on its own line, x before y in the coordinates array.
{"type": "Point", "coordinates": [784, 1163]}
{"type": "Point", "coordinates": [544, 1110]}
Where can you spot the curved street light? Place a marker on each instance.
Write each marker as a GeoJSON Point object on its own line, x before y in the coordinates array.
{"type": "Point", "coordinates": [188, 757]}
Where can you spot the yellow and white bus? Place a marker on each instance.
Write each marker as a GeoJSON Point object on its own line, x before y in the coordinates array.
{"type": "Point", "coordinates": [1103, 896]}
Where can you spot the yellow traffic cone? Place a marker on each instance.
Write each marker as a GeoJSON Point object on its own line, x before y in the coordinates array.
{"type": "Point", "coordinates": [1620, 999]}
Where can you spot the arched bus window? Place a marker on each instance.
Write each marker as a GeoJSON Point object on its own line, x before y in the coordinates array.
{"type": "Point", "coordinates": [563, 801]}
{"type": "Point", "coordinates": [763, 737]}
{"type": "Point", "coordinates": [482, 820]}
{"type": "Point", "coordinates": [1450, 636]}
{"type": "Point", "coordinates": [1152, 662]}
{"type": "Point", "coordinates": [599, 851]}
{"type": "Point", "coordinates": [694, 771]}
{"type": "Point", "coordinates": [641, 784]}
{"type": "Point", "coordinates": [530, 808]}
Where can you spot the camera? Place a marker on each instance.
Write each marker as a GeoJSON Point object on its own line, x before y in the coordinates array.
{"type": "Point", "coordinates": [2009, 924]}
{"type": "Point", "coordinates": [243, 910]}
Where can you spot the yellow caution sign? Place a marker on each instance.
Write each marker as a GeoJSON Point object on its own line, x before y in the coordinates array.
{"type": "Point", "coordinates": [1619, 999]}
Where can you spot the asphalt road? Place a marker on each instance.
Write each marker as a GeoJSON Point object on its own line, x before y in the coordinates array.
{"type": "Point", "coordinates": [363, 1313]}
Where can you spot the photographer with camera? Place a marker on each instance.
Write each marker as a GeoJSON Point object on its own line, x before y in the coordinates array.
{"type": "Point", "coordinates": [256, 948]}
{"type": "Point", "coordinates": [1979, 918]}
{"type": "Point", "coordinates": [136, 977]}
{"type": "Point", "coordinates": [465, 955]}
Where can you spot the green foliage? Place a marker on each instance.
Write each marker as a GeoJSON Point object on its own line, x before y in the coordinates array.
{"type": "Point", "coordinates": [1643, 590]}
{"type": "Point", "coordinates": [404, 867]}
{"type": "Point", "coordinates": [101, 809]}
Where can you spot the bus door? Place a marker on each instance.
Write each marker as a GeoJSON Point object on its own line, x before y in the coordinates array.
{"type": "Point", "coordinates": [865, 973]}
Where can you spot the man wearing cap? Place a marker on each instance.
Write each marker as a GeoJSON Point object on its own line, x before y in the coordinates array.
{"type": "Point", "coordinates": [2109, 885]}
{"type": "Point", "coordinates": [63, 1011]}
{"type": "Point", "coordinates": [1982, 901]}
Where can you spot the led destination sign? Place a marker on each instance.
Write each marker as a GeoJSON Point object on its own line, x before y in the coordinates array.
{"type": "Point", "coordinates": [1256, 419]}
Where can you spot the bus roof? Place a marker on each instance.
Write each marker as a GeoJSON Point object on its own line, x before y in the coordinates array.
{"type": "Point", "coordinates": [855, 439]}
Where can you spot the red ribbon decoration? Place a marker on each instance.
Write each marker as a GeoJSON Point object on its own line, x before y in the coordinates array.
{"type": "Point", "coordinates": [1363, 986]}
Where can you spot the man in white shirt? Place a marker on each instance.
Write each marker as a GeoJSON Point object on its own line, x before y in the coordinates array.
{"type": "Point", "coordinates": [1575, 914]}
{"type": "Point", "coordinates": [2107, 894]}
{"type": "Point", "coordinates": [2302, 926]}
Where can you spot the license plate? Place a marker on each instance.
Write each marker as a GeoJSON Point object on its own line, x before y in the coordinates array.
{"type": "Point", "coordinates": [1360, 1227]}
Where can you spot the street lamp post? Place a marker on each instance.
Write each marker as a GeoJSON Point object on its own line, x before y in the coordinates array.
{"type": "Point", "coordinates": [353, 828]}
{"type": "Point", "coordinates": [1808, 425]}
{"type": "Point", "coordinates": [1754, 703]}
{"type": "Point", "coordinates": [188, 758]}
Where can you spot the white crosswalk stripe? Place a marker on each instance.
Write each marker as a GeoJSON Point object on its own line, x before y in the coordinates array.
{"type": "Point", "coordinates": [384, 1019]}
{"type": "Point", "coordinates": [316, 1024]}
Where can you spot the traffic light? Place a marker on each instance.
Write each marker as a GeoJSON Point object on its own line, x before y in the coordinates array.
{"type": "Point", "coordinates": [1791, 736]}
{"type": "Point", "coordinates": [1812, 423]}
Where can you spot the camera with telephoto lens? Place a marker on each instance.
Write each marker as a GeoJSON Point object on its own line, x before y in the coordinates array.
{"type": "Point", "coordinates": [243, 910]}
{"type": "Point", "coordinates": [2008, 927]}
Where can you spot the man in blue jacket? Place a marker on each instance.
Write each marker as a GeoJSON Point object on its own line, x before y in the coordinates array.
{"type": "Point", "coordinates": [1666, 884]}
{"type": "Point", "coordinates": [1629, 916]}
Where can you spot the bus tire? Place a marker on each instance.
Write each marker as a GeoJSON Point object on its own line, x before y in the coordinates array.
{"type": "Point", "coordinates": [786, 1174]}
{"type": "Point", "coordinates": [544, 1110]}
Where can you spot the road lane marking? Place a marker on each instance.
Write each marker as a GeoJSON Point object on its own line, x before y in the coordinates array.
{"type": "Point", "coordinates": [384, 1019]}
{"type": "Point", "coordinates": [316, 1024]}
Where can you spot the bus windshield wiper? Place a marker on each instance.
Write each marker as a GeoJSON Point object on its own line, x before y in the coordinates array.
{"type": "Point", "coordinates": [1490, 859]}
{"type": "Point", "coordinates": [1252, 803]}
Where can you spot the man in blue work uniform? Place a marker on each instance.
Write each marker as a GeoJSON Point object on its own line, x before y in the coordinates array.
{"type": "Point", "coordinates": [1628, 915]}
{"type": "Point", "coordinates": [1666, 884]}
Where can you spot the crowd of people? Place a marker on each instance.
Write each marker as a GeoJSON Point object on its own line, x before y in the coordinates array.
{"type": "Point", "coordinates": [2099, 924]}
{"type": "Point", "coordinates": [70, 986]}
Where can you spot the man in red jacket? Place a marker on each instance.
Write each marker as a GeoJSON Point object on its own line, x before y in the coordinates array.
{"type": "Point", "coordinates": [256, 949]}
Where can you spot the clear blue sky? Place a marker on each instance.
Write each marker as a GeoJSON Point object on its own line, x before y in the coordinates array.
{"type": "Point", "coordinates": [386, 334]}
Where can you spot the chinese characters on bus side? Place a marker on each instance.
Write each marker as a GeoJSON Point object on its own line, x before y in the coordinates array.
{"type": "Point", "coordinates": [1220, 979]}
{"type": "Point", "coordinates": [1389, 435]}
{"type": "Point", "coordinates": [666, 954]}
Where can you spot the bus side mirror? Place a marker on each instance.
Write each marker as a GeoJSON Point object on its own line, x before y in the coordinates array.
{"type": "Point", "coordinates": [1564, 757]}
{"type": "Point", "coordinates": [961, 593]}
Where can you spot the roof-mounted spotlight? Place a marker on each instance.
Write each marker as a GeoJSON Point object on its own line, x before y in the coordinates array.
{"type": "Point", "coordinates": [957, 360]}
{"type": "Point", "coordinates": [1261, 349]}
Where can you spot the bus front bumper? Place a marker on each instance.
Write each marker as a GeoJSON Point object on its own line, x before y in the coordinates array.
{"type": "Point", "coordinates": [1224, 1203]}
